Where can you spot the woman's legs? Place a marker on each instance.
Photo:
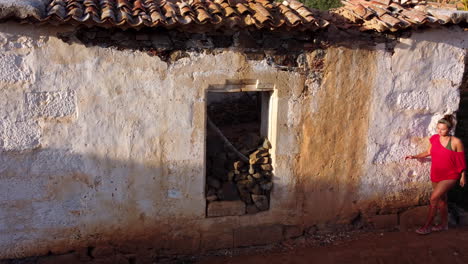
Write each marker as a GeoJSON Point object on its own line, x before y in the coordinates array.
{"type": "Point", "coordinates": [438, 196]}
{"type": "Point", "coordinates": [443, 211]}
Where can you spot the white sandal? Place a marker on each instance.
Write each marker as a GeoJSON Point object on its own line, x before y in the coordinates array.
{"type": "Point", "coordinates": [424, 230]}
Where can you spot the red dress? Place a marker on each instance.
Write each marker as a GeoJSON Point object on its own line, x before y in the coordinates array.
{"type": "Point", "coordinates": [446, 164]}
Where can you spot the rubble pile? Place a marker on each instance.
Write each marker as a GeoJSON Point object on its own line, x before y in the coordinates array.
{"type": "Point", "coordinates": [250, 182]}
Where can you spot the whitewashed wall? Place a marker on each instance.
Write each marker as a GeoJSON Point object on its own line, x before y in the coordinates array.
{"type": "Point", "coordinates": [415, 87]}
{"type": "Point", "coordinates": [98, 144]}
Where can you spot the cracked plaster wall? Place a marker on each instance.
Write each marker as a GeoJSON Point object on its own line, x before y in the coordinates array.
{"type": "Point", "coordinates": [367, 110]}
{"type": "Point", "coordinates": [416, 86]}
{"type": "Point", "coordinates": [100, 145]}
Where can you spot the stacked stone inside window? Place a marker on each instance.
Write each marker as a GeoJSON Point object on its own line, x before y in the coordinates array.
{"type": "Point", "coordinates": [238, 161]}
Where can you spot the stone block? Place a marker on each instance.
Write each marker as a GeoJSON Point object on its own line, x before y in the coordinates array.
{"type": "Point", "coordinates": [19, 136]}
{"type": "Point", "coordinates": [213, 182]}
{"type": "Point", "coordinates": [67, 258]}
{"type": "Point", "coordinates": [257, 235]}
{"type": "Point", "coordinates": [90, 35]}
{"type": "Point", "coordinates": [413, 217]}
{"type": "Point", "coordinates": [187, 242]}
{"type": "Point", "coordinates": [119, 36]}
{"type": "Point", "coordinates": [102, 252]}
{"type": "Point", "coordinates": [225, 208]}
{"type": "Point", "coordinates": [161, 41]}
{"type": "Point", "coordinates": [251, 209]}
{"type": "Point", "coordinates": [292, 231]}
{"type": "Point", "coordinates": [229, 192]}
{"type": "Point", "coordinates": [51, 104]}
{"type": "Point", "coordinates": [463, 218]}
{"type": "Point", "coordinates": [103, 34]}
{"type": "Point", "coordinates": [384, 221]}
{"type": "Point", "coordinates": [12, 69]}
{"type": "Point", "coordinates": [415, 100]}
{"type": "Point", "coordinates": [261, 201]}
{"type": "Point", "coordinates": [116, 259]}
{"type": "Point", "coordinates": [217, 240]}
{"type": "Point", "coordinates": [244, 40]}
{"type": "Point", "coordinates": [140, 37]}
{"type": "Point", "coordinates": [457, 216]}
{"type": "Point", "coordinates": [83, 254]}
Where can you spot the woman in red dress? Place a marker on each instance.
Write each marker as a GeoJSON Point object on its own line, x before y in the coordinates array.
{"type": "Point", "coordinates": [448, 166]}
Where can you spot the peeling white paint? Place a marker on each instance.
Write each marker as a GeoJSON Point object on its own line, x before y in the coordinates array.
{"type": "Point", "coordinates": [417, 84]}
{"type": "Point", "coordinates": [113, 139]}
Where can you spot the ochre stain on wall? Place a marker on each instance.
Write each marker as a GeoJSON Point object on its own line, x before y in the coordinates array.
{"type": "Point", "coordinates": [334, 137]}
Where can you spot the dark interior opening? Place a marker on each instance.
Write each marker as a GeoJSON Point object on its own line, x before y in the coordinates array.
{"type": "Point", "coordinates": [238, 162]}
{"type": "Point", "coordinates": [458, 196]}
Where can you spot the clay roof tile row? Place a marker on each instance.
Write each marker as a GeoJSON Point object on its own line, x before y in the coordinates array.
{"type": "Point", "coordinates": [167, 13]}
{"type": "Point", "coordinates": [393, 15]}
{"type": "Point", "coordinates": [378, 15]}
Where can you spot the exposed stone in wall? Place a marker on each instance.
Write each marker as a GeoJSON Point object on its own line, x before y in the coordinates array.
{"type": "Point", "coordinates": [159, 40]}
{"type": "Point", "coordinates": [51, 104]}
{"type": "Point", "coordinates": [417, 83]}
{"type": "Point", "coordinates": [128, 165]}
{"type": "Point", "coordinates": [279, 49]}
{"type": "Point", "coordinates": [22, 8]}
{"type": "Point", "coordinates": [14, 69]}
{"type": "Point", "coordinates": [19, 135]}
{"type": "Point", "coordinates": [414, 100]}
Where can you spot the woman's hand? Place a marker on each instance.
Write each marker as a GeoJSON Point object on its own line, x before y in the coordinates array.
{"type": "Point", "coordinates": [462, 180]}
{"type": "Point", "coordinates": [421, 155]}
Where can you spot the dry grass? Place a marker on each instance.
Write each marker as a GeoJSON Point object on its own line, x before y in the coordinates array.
{"type": "Point", "coordinates": [465, 5]}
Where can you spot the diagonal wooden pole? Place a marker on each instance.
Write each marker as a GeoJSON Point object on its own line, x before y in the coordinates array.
{"type": "Point", "coordinates": [226, 141]}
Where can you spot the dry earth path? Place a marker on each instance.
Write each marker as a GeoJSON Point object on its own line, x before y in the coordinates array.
{"type": "Point", "coordinates": [388, 247]}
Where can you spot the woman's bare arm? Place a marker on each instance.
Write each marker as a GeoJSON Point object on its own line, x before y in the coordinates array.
{"type": "Point", "coordinates": [420, 155]}
{"type": "Point", "coordinates": [457, 145]}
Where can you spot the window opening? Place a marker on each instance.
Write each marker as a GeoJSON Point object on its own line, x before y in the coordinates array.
{"type": "Point", "coordinates": [238, 160]}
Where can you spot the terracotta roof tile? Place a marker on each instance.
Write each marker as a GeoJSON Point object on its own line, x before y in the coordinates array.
{"type": "Point", "coordinates": [290, 16]}
{"type": "Point", "coordinates": [389, 20]}
{"type": "Point", "coordinates": [377, 15]}
{"type": "Point", "coordinates": [169, 13]}
{"type": "Point", "coordinates": [392, 15]}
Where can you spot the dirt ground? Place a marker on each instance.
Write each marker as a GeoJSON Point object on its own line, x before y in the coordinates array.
{"type": "Point", "coordinates": [373, 247]}
{"type": "Point", "coordinates": [364, 247]}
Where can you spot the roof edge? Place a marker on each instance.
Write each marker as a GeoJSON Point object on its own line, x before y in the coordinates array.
{"type": "Point", "coordinates": [22, 8]}
{"type": "Point", "coordinates": [456, 15]}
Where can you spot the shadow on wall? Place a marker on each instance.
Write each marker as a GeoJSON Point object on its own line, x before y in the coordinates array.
{"type": "Point", "coordinates": [68, 200]}
{"type": "Point", "coordinates": [450, 35]}
{"type": "Point", "coordinates": [459, 195]}
{"type": "Point", "coordinates": [86, 203]}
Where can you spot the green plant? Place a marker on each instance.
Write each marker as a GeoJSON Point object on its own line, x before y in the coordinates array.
{"type": "Point", "coordinates": [323, 4]}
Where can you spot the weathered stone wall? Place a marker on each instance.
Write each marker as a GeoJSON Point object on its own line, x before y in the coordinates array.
{"type": "Point", "coordinates": [368, 109]}
{"type": "Point", "coordinates": [417, 84]}
{"type": "Point", "coordinates": [102, 145]}
{"type": "Point", "coordinates": [334, 136]}
{"type": "Point", "coordinates": [105, 147]}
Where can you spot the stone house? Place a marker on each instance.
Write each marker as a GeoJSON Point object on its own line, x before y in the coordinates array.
{"type": "Point", "coordinates": [105, 135]}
